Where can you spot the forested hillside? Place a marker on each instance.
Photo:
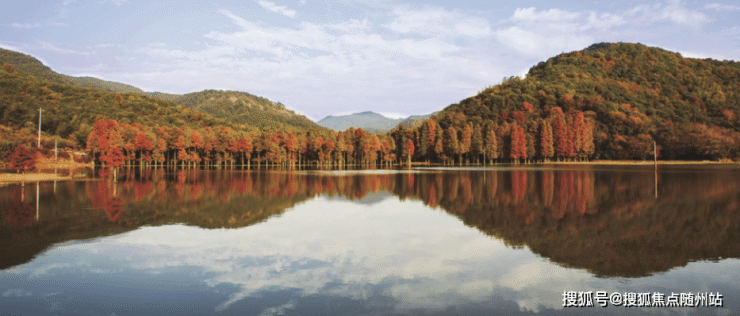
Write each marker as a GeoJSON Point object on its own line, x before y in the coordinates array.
{"type": "Point", "coordinates": [244, 108]}
{"type": "Point", "coordinates": [239, 107]}
{"type": "Point", "coordinates": [625, 96]}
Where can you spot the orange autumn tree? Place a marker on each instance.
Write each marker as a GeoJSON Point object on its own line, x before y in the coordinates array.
{"type": "Point", "coordinates": [409, 150]}
{"type": "Point", "coordinates": [244, 145]}
{"type": "Point", "coordinates": [546, 147]}
{"type": "Point", "coordinates": [144, 146]}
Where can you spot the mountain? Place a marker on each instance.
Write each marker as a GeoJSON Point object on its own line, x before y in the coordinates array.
{"type": "Point", "coordinates": [369, 121]}
{"type": "Point", "coordinates": [630, 94]}
{"type": "Point", "coordinates": [70, 111]}
{"type": "Point", "coordinates": [103, 85]}
{"type": "Point", "coordinates": [33, 66]}
{"type": "Point", "coordinates": [244, 108]}
{"type": "Point", "coordinates": [240, 107]}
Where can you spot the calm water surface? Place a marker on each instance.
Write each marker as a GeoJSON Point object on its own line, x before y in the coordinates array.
{"type": "Point", "coordinates": [427, 241]}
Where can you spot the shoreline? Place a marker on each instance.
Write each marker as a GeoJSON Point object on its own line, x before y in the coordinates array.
{"type": "Point", "coordinates": [34, 176]}
{"type": "Point", "coordinates": [31, 177]}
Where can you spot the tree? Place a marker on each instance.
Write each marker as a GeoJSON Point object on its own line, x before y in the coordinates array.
{"type": "Point", "coordinates": [466, 140]}
{"type": "Point", "coordinates": [431, 127]}
{"type": "Point", "coordinates": [22, 159]}
{"type": "Point", "coordinates": [546, 147]}
{"type": "Point", "coordinates": [409, 150]}
{"type": "Point", "coordinates": [579, 134]}
{"type": "Point", "coordinates": [118, 99]}
{"type": "Point", "coordinates": [477, 142]}
{"type": "Point", "coordinates": [559, 137]}
{"type": "Point", "coordinates": [244, 146]}
{"type": "Point", "coordinates": [518, 143]}
{"type": "Point", "coordinates": [452, 147]}
{"type": "Point", "coordinates": [438, 144]}
{"type": "Point", "coordinates": [291, 145]}
{"type": "Point", "coordinates": [491, 144]}
{"type": "Point", "coordinates": [143, 145]}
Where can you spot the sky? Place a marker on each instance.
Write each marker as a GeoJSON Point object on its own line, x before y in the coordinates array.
{"type": "Point", "coordinates": [322, 58]}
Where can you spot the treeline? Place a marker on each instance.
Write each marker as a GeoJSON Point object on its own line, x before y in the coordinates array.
{"type": "Point", "coordinates": [114, 144]}
{"type": "Point", "coordinates": [559, 136]}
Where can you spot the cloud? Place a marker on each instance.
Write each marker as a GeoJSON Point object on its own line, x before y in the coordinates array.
{"type": "Point", "coordinates": [721, 7]}
{"type": "Point", "coordinates": [548, 32]}
{"type": "Point", "coordinates": [673, 12]}
{"type": "Point", "coordinates": [552, 15]}
{"type": "Point", "coordinates": [51, 47]}
{"type": "Point", "coordinates": [276, 8]}
{"type": "Point", "coordinates": [25, 26]}
{"type": "Point", "coordinates": [116, 2]}
{"type": "Point", "coordinates": [432, 21]}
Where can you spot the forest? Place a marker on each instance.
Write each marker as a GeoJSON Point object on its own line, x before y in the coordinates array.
{"type": "Point", "coordinates": [608, 101]}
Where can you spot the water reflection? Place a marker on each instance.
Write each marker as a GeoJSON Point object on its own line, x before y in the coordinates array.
{"type": "Point", "coordinates": [603, 219]}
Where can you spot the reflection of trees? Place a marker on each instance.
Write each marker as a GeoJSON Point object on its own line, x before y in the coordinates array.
{"type": "Point", "coordinates": [607, 222]}
{"type": "Point", "coordinates": [19, 213]}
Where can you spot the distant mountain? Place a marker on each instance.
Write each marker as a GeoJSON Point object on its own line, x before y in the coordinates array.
{"type": "Point", "coordinates": [239, 107]}
{"type": "Point", "coordinates": [415, 120]}
{"type": "Point", "coordinates": [369, 121]}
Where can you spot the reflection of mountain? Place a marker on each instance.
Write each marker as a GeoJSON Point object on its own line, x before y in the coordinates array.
{"type": "Point", "coordinates": [370, 199]}
{"type": "Point", "coordinates": [605, 220]}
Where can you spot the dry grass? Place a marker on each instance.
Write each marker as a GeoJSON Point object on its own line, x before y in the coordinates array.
{"type": "Point", "coordinates": [30, 177]}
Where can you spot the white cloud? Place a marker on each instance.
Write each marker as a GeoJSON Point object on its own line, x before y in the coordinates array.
{"type": "Point", "coordinates": [25, 26]}
{"type": "Point", "coordinates": [116, 2]}
{"type": "Point", "coordinates": [393, 115]}
{"type": "Point", "coordinates": [549, 32]}
{"type": "Point", "coordinates": [276, 8]}
{"type": "Point", "coordinates": [51, 47]}
{"type": "Point", "coordinates": [673, 12]}
{"type": "Point", "coordinates": [552, 15]}
{"type": "Point", "coordinates": [433, 21]}
{"type": "Point", "coordinates": [352, 26]}
{"type": "Point", "coordinates": [722, 7]}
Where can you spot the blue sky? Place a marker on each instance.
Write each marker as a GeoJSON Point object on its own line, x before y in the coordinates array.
{"type": "Point", "coordinates": [337, 57]}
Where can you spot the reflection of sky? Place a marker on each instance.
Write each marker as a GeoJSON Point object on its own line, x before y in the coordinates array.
{"type": "Point", "coordinates": [411, 255]}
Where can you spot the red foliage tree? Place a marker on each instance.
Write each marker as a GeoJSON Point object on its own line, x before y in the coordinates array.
{"type": "Point", "coordinates": [22, 159]}
{"type": "Point", "coordinates": [546, 146]}
{"type": "Point", "coordinates": [518, 117]}
{"type": "Point", "coordinates": [409, 150]}
{"type": "Point", "coordinates": [559, 137]}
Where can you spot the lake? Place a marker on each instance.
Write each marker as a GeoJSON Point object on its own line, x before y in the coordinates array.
{"type": "Point", "coordinates": [506, 239]}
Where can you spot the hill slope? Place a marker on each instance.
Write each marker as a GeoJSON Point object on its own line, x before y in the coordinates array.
{"type": "Point", "coordinates": [240, 107]}
{"type": "Point", "coordinates": [244, 108]}
{"type": "Point", "coordinates": [632, 93]}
